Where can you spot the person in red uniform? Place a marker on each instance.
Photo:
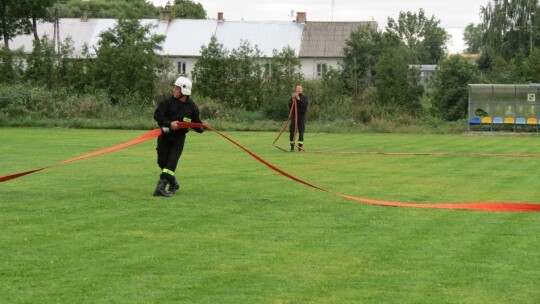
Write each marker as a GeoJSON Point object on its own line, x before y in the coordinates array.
{"type": "Point", "coordinates": [299, 125]}
{"type": "Point", "coordinates": [177, 108]}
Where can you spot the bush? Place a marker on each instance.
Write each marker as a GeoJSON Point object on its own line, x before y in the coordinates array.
{"type": "Point", "coordinates": [21, 105]}
{"type": "Point", "coordinates": [14, 99]}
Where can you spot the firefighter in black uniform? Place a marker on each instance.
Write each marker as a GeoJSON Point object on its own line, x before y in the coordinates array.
{"type": "Point", "coordinates": [174, 109]}
{"type": "Point", "coordinates": [299, 126]}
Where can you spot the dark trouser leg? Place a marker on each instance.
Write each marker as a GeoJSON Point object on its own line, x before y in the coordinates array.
{"type": "Point", "coordinates": [301, 128]}
{"type": "Point", "coordinates": [292, 131]}
{"type": "Point", "coordinates": [169, 150]}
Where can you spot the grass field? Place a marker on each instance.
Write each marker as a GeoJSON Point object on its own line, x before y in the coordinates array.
{"type": "Point", "coordinates": [237, 232]}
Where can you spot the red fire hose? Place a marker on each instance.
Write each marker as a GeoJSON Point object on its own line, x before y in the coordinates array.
{"type": "Point", "coordinates": [478, 206]}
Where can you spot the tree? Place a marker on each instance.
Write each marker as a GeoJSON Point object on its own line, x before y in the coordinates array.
{"type": "Point", "coordinates": [241, 78]}
{"type": "Point", "coordinates": [234, 78]}
{"type": "Point", "coordinates": [118, 9]}
{"type": "Point", "coordinates": [282, 74]}
{"type": "Point", "coordinates": [424, 38]}
{"type": "Point", "coordinates": [246, 77]}
{"type": "Point", "coordinates": [10, 65]}
{"type": "Point", "coordinates": [211, 72]}
{"type": "Point", "coordinates": [511, 26]}
{"type": "Point", "coordinates": [493, 67]}
{"type": "Point", "coordinates": [534, 65]}
{"type": "Point", "coordinates": [41, 62]}
{"type": "Point", "coordinates": [16, 15]}
{"type": "Point", "coordinates": [12, 20]}
{"type": "Point", "coordinates": [127, 61]}
{"type": "Point", "coordinates": [473, 38]}
{"type": "Point", "coordinates": [187, 9]}
{"type": "Point", "coordinates": [77, 72]}
{"type": "Point", "coordinates": [398, 86]}
{"type": "Point", "coordinates": [361, 52]}
{"type": "Point", "coordinates": [450, 87]}
{"type": "Point", "coordinates": [519, 68]}
{"type": "Point", "coordinates": [37, 10]}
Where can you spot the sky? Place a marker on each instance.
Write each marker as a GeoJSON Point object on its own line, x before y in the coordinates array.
{"type": "Point", "coordinates": [454, 15]}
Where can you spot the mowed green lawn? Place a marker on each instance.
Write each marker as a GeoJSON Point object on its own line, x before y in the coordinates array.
{"type": "Point", "coordinates": [237, 232]}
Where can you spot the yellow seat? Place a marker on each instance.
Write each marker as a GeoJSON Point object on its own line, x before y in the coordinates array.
{"type": "Point", "coordinates": [532, 121]}
{"type": "Point", "coordinates": [486, 120]}
{"type": "Point", "coordinates": [509, 120]}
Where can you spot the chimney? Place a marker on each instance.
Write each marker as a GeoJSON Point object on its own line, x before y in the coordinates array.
{"type": "Point", "coordinates": [220, 16]}
{"type": "Point", "coordinates": [165, 14]}
{"type": "Point", "coordinates": [301, 17]}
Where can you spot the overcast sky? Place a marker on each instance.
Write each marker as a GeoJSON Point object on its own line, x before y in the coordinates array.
{"type": "Point", "coordinates": [454, 15]}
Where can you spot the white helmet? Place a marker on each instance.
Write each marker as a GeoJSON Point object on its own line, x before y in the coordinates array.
{"type": "Point", "coordinates": [185, 85]}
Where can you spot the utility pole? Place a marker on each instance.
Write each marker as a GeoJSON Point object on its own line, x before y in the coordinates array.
{"type": "Point", "coordinates": [55, 19]}
{"type": "Point", "coordinates": [57, 13]}
{"type": "Point", "coordinates": [531, 19]}
{"type": "Point", "coordinates": [332, 10]}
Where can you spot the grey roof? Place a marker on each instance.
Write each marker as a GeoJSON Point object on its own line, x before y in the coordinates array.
{"type": "Point", "coordinates": [268, 36]}
{"type": "Point", "coordinates": [327, 39]}
{"type": "Point", "coordinates": [183, 37]}
{"type": "Point", "coordinates": [186, 37]}
{"type": "Point", "coordinates": [81, 32]}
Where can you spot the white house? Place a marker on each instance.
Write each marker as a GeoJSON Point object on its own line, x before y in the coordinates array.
{"type": "Point", "coordinates": [318, 45]}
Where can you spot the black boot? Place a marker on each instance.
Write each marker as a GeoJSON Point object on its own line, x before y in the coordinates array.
{"type": "Point", "coordinates": [160, 188]}
{"type": "Point", "coordinates": [300, 148]}
{"type": "Point", "coordinates": [173, 185]}
{"type": "Point", "coordinates": [292, 147]}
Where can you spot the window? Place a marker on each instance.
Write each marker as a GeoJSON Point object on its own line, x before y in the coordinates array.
{"type": "Point", "coordinates": [321, 69]}
{"type": "Point", "coordinates": [181, 68]}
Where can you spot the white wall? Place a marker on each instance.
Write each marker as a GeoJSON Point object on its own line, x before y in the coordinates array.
{"type": "Point", "coordinates": [309, 66]}
{"type": "Point", "coordinates": [190, 64]}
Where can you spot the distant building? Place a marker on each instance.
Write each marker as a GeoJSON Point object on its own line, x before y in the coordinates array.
{"type": "Point", "coordinates": [323, 43]}
{"type": "Point", "coordinates": [318, 45]}
{"type": "Point", "coordinates": [426, 74]}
